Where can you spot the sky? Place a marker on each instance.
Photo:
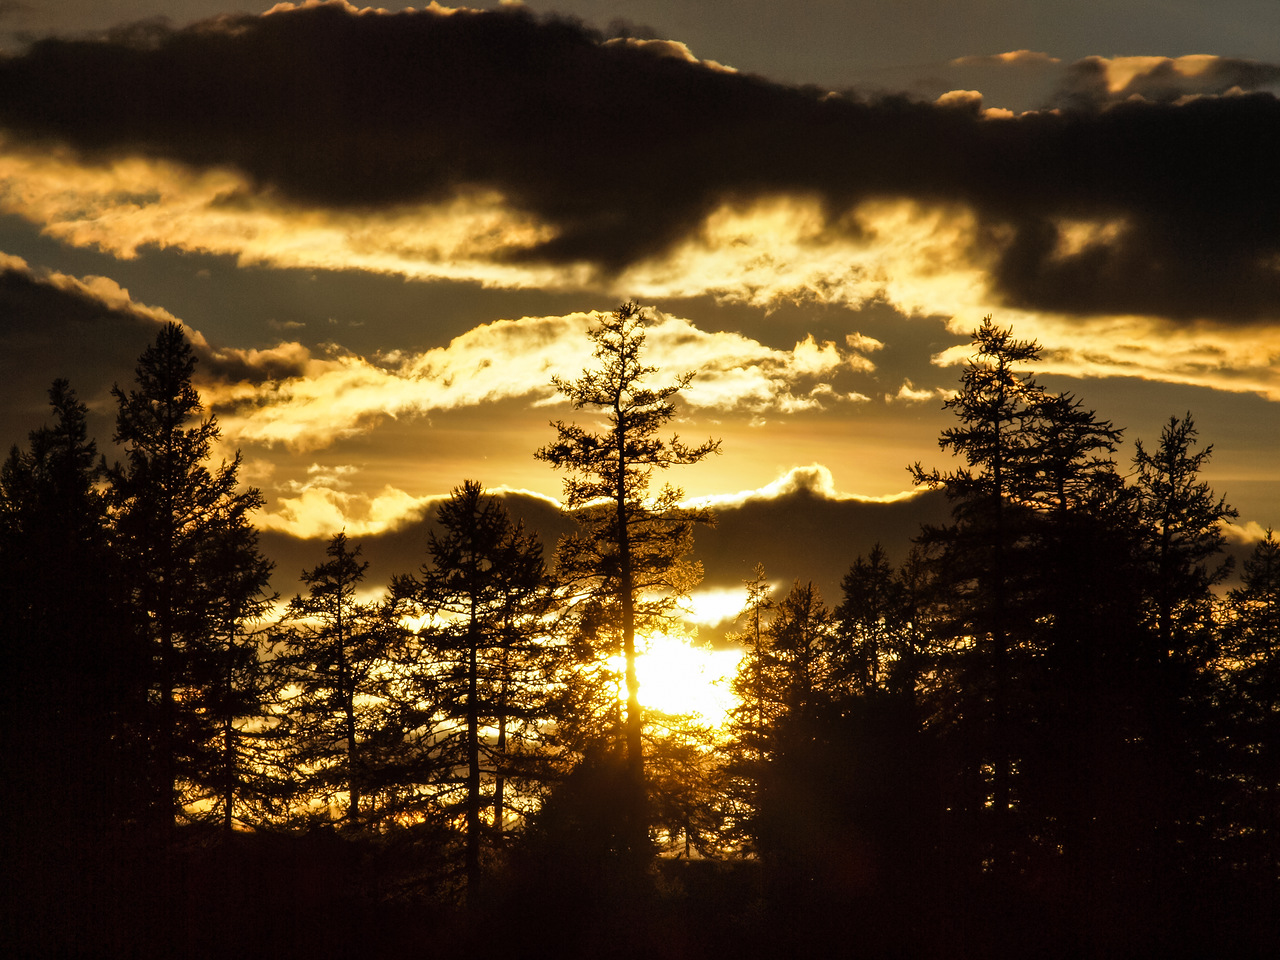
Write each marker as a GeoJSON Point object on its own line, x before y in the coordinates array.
{"type": "Point", "coordinates": [386, 230]}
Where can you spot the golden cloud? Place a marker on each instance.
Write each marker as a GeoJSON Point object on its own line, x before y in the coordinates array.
{"type": "Point", "coordinates": [343, 395]}
{"type": "Point", "coordinates": [1011, 58]}
{"type": "Point", "coordinates": [130, 203]}
{"type": "Point", "coordinates": [1244, 534]}
{"type": "Point", "coordinates": [321, 511]}
{"type": "Point", "coordinates": [923, 259]}
{"type": "Point", "coordinates": [1121, 71]}
{"type": "Point", "coordinates": [908, 393]}
{"type": "Point", "coordinates": [1243, 360]}
{"type": "Point", "coordinates": [960, 99]}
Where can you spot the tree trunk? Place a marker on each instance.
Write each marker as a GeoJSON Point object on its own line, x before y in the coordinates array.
{"type": "Point", "coordinates": [473, 755]}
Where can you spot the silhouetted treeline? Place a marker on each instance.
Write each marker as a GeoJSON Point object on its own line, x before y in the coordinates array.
{"type": "Point", "coordinates": [1050, 730]}
{"type": "Point", "coordinates": [1030, 738]}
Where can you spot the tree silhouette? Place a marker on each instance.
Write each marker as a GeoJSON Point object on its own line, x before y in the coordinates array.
{"type": "Point", "coordinates": [875, 651]}
{"type": "Point", "coordinates": [755, 685]}
{"type": "Point", "coordinates": [1082, 708]}
{"type": "Point", "coordinates": [977, 557]}
{"type": "Point", "coordinates": [188, 549]}
{"type": "Point", "coordinates": [485, 591]}
{"type": "Point", "coordinates": [1252, 667]}
{"type": "Point", "coordinates": [248, 781]}
{"type": "Point", "coordinates": [1181, 520]}
{"type": "Point", "coordinates": [775, 738]}
{"type": "Point", "coordinates": [335, 647]}
{"type": "Point", "coordinates": [73, 670]}
{"type": "Point", "coordinates": [629, 555]}
{"type": "Point", "coordinates": [1179, 551]}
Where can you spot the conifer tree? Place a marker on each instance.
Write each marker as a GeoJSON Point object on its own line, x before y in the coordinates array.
{"type": "Point", "coordinates": [72, 667]}
{"type": "Point", "coordinates": [337, 650]}
{"type": "Point", "coordinates": [1180, 520]}
{"type": "Point", "coordinates": [248, 781]}
{"type": "Point", "coordinates": [188, 550]}
{"type": "Point", "coordinates": [1252, 666]}
{"type": "Point", "coordinates": [629, 557]}
{"type": "Point", "coordinates": [485, 591]}
{"type": "Point", "coordinates": [1178, 525]}
{"type": "Point", "coordinates": [872, 622]}
{"type": "Point", "coordinates": [755, 686]}
{"type": "Point", "coordinates": [977, 557]}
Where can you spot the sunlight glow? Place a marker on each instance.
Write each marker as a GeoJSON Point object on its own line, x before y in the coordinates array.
{"type": "Point", "coordinates": [678, 677]}
{"type": "Point", "coordinates": [713, 606]}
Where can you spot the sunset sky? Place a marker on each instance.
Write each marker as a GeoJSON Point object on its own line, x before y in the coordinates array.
{"type": "Point", "coordinates": [387, 230]}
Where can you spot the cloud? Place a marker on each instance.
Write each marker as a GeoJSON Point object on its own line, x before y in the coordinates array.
{"type": "Point", "coordinates": [670, 49]}
{"type": "Point", "coordinates": [1013, 58]}
{"type": "Point", "coordinates": [970, 100]}
{"type": "Point", "coordinates": [321, 510]}
{"type": "Point", "coordinates": [826, 531]}
{"type": "Point", "coordinates": [1204, 355]}
{"type": "Point", "coordinates": [1244, 534]}
{"type": "Point", "coordinates": [92, 331]}
{"type": "Point", "coordinates": [1096, 82]}
{"type": "Point", "coordinates": [86, 330]}
{"type": "Point", "coordinates": [909, 394]}
{"type": "Point", "coordinates": [498, 146]}
{"type": "Point", "coordinates": [346, 394]}
{"type": "Point", "coordinates": [813, 480]}
{"type": "Point", "coordinates": [47, 310]}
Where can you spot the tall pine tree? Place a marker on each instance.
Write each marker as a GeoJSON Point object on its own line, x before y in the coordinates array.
{"type": "Point", "coordinates": [485, 592]}
{"type": "Point", "coordinates": [628, 559]}
{"type": "Point", "coordinates": [189, 553]}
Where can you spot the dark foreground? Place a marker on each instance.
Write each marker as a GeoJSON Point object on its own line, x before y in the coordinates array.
{"type": "Point", "coordinates": [284, 896]}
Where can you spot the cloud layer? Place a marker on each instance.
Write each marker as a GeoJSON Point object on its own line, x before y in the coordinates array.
{"type": "Point", "coordinates": [526, 145]}
{"type": "Point", "coordinates": [300, 398]}
{"type": "Point", "coordinates": [825, 531]}
{"type": "Point", "coordinates": [345, 394]}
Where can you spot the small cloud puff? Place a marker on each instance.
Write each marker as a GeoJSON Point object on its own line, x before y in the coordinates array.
{"type": "Point", "coordinates": [961, 99]}
{"type": "Point", "coordinates": [1244, 534]}
{"type": "Point", "coordinates": [907, 393]}
{"type": "Point", "coordinates": [321, 511]}
{"type": "Point", "coordinates": [1015, 58]}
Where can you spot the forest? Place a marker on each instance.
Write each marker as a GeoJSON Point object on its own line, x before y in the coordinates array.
{"type": "Point", "coordinates": [1051, 730]}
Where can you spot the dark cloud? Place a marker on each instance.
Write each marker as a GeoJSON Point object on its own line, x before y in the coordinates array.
{"type": "Point", "coordinates": [254, 366]}
{"type": "Point", "coordinates": [60, 332]}
{"type": "Point", "coordinates": [625, 152]}
{"type": "Point", "coordinates": [823, 536]}
{"type": "Point", "coordinates": [61, 327]}
{"type": "Point", "coordinates": [1163, 80]}
{"type": "Point", "coordinates": [799, 535]}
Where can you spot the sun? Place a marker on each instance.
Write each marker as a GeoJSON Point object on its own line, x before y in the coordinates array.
{"type": "Point", "coordinates": [678, 677]}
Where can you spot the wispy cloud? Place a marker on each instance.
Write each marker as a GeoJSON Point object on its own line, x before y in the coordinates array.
{"type": "Point", "coordinates": [346, 394]}
{"type": "Point", "coordinates": [908, 393]}
{"type": "Point", "coordinates": [1096, 82]}
{"type": "Point", "coordinates": [1011, 58]}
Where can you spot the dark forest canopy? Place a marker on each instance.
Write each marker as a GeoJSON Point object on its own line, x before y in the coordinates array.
{"type": "Point", "coordinates": [1046, 726]}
